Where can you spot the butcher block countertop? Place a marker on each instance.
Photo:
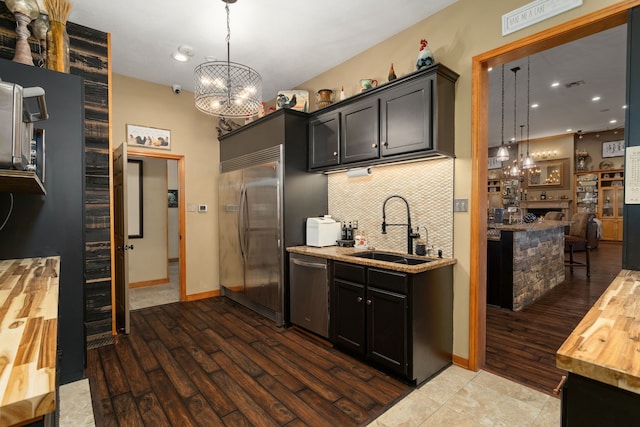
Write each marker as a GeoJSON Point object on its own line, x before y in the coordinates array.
{"type": "Point", "coordinates": [339, 253]}
{"type": "Point", "coordinates": [28, 334]}
{"type": "Point", "coordinates": [605, 346]}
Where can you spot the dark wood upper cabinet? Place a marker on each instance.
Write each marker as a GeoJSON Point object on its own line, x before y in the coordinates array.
{"type": "Point", "coordinates": [324, 140]}
{"type": "Point", "coordinates": [360, 131]}
{"type": "Point", "coordinates": [409, 118]}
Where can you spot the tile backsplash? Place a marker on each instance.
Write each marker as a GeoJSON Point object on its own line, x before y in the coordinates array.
{"type": "Point", "coordinates": [427, 186]}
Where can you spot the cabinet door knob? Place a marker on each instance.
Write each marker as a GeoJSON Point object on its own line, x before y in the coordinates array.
{"type": "Point", "coordinates": [359, 299]}
{"type": "Point", "coordinates": [374, 145]}
{"type": "Point", "coordinates": [386, 144]}
{"type": "Point", "coordinates": [368, 302]}
{"type": "Point", "coordinates": [335, 153]}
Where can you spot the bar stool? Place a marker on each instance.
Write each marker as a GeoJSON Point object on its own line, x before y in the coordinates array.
{"type": "Point", "coordinates": [577, 240]}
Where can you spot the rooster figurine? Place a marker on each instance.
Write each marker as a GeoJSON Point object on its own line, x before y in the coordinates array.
{"type": "Point", "coordinates": [425, 57]}
{"type": "Point", "coordinates": [392, 73]}
{"type": "Point", "coordinates": [283, 102]}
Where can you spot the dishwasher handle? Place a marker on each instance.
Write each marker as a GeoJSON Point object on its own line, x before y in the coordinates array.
{"type": "Point", "coordinates": [309, 264]}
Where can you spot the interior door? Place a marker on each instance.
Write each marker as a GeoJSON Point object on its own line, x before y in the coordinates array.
{"type": "Point", "coordinates": [120, 235]}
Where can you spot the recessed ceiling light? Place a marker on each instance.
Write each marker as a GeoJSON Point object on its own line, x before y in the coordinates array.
{"type": "Point", "coordinates": [612, 121]}
{"type": "Point", "coordinates": [183, 53]}
{"type": "Point", "coordinates": [595, 98]}
{"type": "Point", "coordinates": [555, 84]}
{"type": "Point", "coordinates": [535, 105]}
{"type": "Point", "coordinates": [569, 130]}
{"type": "Point", "coordinates": [624, 107]}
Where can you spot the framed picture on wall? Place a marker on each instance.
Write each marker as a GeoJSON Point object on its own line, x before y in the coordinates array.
{"type": "Point", "coordinates": [494, 163]}
{"type": "Point", "coordinates": [134, 199]}
{"type": "Point", "coordinates": [613, 148]}
{"type": "Point", "coordinates": [143, 136]}
{"type": "Point", "coordinates": [173, 198]}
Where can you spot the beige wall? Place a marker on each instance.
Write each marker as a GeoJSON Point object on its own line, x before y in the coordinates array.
{"type": "Point", "coordinates": [193, 135]}
{"type": "Point", "coordinates": [148, 259]}
{"type": "Point", "coordinates": [455, 35]}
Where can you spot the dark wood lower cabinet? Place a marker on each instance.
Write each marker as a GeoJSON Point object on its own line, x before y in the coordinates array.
{"type": "Point", "coordinates": [387, 329]}
{"type": "Point", "coordinates": [586, 403]}
{"type": "Point", "coordinates": [401, 323]}
{"type": "Point", "coordinates": [349, 316]}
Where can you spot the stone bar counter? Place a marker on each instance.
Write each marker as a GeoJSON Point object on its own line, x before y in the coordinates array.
{"type": "Point", "coordinates": [602, 355]}
{"type": "Point", "coordinates": [524, 261]}
{"type": "Point", "coordinates": [28, 339]}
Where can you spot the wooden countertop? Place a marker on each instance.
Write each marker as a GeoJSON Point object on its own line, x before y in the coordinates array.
{"type": "Point", "coordinates": [28, 336]}
{"type": "Point", "coordinates": [343, 254]}
{"type": "Point", "coordinates": [605, 346]}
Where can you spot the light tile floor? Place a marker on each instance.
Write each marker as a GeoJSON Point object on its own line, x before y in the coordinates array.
{"type": "Point", "coordinates": [75, 405]}
{"type": "Point", "coordinates": [456, 397]}
{"type": "Point", "coordinates": [149, 296]}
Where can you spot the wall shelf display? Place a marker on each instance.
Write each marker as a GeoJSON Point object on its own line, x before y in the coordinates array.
{"type": "Point", "coordinates": [610, 204]}
{"type": "Point", "coordinates": [494, 189]}
{"type": "Point", "coordinates": [586, 192]}
{"type": "Point", "coordinates": [510, 192]}
{"type": "Point", "coordinates": [20, 181]}
{"type": "Point", "coordinates": [602, 193]}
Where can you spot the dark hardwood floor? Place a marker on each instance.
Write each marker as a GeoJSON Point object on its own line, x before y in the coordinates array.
{"type": "Point", "coordinates": [213, 362]}
{"type": "Point", "coordinates": [522, 345]}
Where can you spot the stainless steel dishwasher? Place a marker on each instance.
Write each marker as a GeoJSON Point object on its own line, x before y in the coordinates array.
{"type": "Point", "coordinates": [309, 293]}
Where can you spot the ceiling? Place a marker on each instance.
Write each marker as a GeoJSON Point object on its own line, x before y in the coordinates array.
{"type": "Point", "coordinates": [291, 41]}
{"type": "Point", "coordinates": [589, 67]}
{"type": "Point", "coordinates": [287, 41]}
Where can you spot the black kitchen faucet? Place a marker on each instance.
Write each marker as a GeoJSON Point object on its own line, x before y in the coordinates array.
{"type": "Point", "coordinates": [410, 234]}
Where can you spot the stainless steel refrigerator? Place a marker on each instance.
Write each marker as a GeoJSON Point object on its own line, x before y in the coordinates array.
{"type": "Point", "coordinates": [265, 195]}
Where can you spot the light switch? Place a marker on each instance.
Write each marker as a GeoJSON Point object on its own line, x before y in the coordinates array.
{"type": "Point", "coordinates": [460, 205]}
{"type": "Point", "coordinates": [191, 207]}
{"type": "Point", "coordinates": [202, 208]}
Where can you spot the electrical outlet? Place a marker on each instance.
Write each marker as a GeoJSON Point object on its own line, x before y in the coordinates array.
{"type": "Point", "coordinates": [202, 208]}
{"type": "Point", "coordinates": [460, 205]}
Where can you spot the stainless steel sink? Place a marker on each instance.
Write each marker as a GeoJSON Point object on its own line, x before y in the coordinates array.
{"type": "Point", "coordinates": [396, 258]}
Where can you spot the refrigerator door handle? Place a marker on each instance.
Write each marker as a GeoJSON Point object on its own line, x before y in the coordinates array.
{"type": "Point", "coordinates": [241, 220]}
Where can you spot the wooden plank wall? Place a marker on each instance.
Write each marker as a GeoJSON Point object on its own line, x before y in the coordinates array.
{"type": "Point", "coordinates": [89, 56]}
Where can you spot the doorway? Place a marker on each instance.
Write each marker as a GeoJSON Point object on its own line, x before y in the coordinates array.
{"type": "Point", "coordinates": [573, 30]}
{"type": "Point", "coordinates": [153, 265]}
{"type": "Point", "coordinates": [179, 213]}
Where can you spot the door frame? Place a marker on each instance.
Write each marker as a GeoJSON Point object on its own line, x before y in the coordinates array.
{"type": "Point", "coordinates": [575, 29]}
{"type": "Point", "coordinates": [182, 261]}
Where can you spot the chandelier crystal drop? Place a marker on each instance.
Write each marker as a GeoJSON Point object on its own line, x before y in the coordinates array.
{"type": "Point", "coordinates": [225, 88]}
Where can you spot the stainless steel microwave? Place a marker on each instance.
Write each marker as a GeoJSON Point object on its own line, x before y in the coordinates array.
{"type": "Point", "coordinates": [19, 109]}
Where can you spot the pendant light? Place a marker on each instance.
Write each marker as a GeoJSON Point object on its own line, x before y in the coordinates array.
{"type": "Point", "coordinates": [225, 88]}
{"type": "Point", "coordinates": [515, 171]}
{"type": "Point", "coordinates": [503, 152]}
{"type": "Point", "coordinates": [528, 161]}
